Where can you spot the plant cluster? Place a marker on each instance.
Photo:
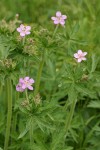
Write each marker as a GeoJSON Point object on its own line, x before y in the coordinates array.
{"type": "Point", "coordinates": [49, 87]}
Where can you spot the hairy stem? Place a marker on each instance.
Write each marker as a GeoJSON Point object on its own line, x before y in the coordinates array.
{"type": "Point", "coordinates": [23, 41]}
{"type": "Point", "coordinates": [1, 88]}
{"type": "Point", "coordinates": [55, 30]}
{"type": "Point", "coordinates": [67, 125]}
{"type": "Point", "coordinates": [27, 96]}
{"type": "Point", "coordinates": [70, 116]}
{"type": "Point", "coordinates": [15, 114]}
{"type": "Point", "coordinates": [9, 114]}
{"type": "Point", "coordinates": [38, 77]}
{"type": "Point", "coordinates": [31, 134]}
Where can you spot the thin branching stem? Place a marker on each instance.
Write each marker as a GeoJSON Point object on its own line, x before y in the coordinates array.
{"type": "Point", "coordinates": [70, 116]}
{"type": "Point", "coordinates": [9, 114]}
{"type": "Point", "coordinates": [15, 114]}
{"type": "Point", "coordinates": [39, 76]}
{"type": "Point", "coordinates": [23, 41]}
{"type": "Point", "coordinates": [55, 30]}
{"type": "Point", "coordinates": [26, 96]}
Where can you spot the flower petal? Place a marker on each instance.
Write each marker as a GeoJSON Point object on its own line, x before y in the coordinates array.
{"type": "Point", "coordinates": [84, 53]}
{"type": "Point", "coordinates": [26, 78]}
{"type": "Point", "coordinates": [76, 55]}
{"type": "Point", "coordinates": [56, 22]}
{"type": "Point", "coordinates": [24, 86]}
{"type": "Point", "coordinates": [64, 17]}
{"type": "Point", "coordinates": [83, 58]}
{"type": "Point", "coordinates": [80, 52]}
{"type": "Point", "coordinates": [62, 22]}
{"type": "Point", "coordinates": [58, 14]}
{"type": "Point", "coordinates": [19, 29]}
{"type": "Point", "coordinates": [21, 80]}
{"type": "Point", "coordinates": [19, 88]}
{"type": "Point", "coordinates": [53, 18]}
{"type": "Point", "coordinates": [28, 28]}
{"type": "Point", "coordinates": [27, 32]}
{"type": "Point", "coordinates": [30, 87]}
{"type": "Point", "coordinates": [22, 34]}
{"type": "Point", "coordinates": [31, 81]}
{"type": "Point", "coordinates": [79, 60]}
{"type": "Point", "coordinates": [22, 26]}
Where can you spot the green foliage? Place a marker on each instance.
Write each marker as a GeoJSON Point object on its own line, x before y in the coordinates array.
{"type": "Point", "coordinates": [64, 111]}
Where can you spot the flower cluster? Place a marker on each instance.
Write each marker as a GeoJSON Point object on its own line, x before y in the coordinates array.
{"type": "Point", "coordinates": [25, 83]}
{"type": "Point", "coordinates": [24, 30]}
{"type": "Point", "coordinates": [59, 19]}
{"type": "Point", "coordinates": [80, 56]}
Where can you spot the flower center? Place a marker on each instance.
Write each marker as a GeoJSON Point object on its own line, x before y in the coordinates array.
{"type": "Point", "coordinates": [59, 18]}
{"type": "Point", "coordinates": [80, 55]}
{"type": "Point", "coordinates": [26, 82]}
{"type": "Point", "coordinates": [24, 28]}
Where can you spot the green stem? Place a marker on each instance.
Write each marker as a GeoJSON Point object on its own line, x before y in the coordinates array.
{"type": "Point", "coordinates": [9, 114]}
{"type": "Point", "coordinates": [1, 88]}
{"type": "Point", "coordinates": [38, 77]}
{"type": "Point", "coordinates": [62, 135]}
{"type": "Point", "coordinates": [23, 40]}
{"type": "Point", "coordinates": [67, 125]}
{"type": "Point", "coordinates": [15, 114]}
{"type": "Point", "coordinates": [14, 122]}
{"type": "Point", "coordinates": [69, 118]}
{"type": "Point", "coordinates": [27, 96]}
{"type": "Point", "coordinates": [31, 135]}
{"type": "Point", "coordinates": [55, 30]}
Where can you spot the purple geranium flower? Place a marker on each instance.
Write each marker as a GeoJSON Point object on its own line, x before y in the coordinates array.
{"type": "Point", "coordinates": [19, 87]}
{"type": "Point", "coordinates": [25, 83]}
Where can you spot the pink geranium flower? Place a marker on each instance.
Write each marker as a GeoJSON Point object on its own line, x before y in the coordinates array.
{"type": "Point", "coordinates": [80, 55]}
{"type": "Point", "coordinates": [19, 87]}
{"type": "Point", "coordinates": [25, 83]}
{"type": "Point", "coordinates": [59, 19]}
{"type": "Point", "coordinates": [24, 30]}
